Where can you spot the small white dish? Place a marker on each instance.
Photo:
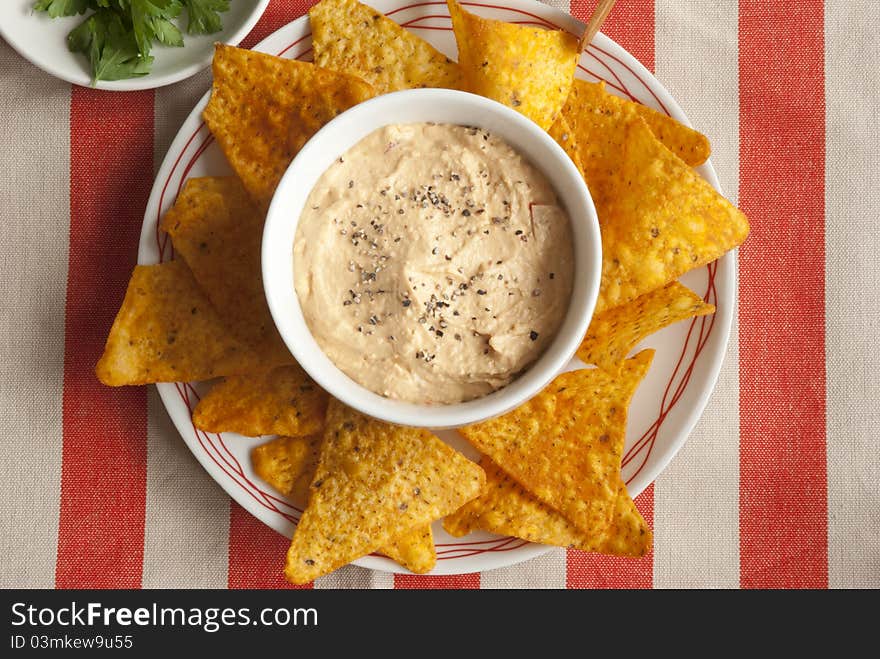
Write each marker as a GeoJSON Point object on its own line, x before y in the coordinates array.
{"type": "Point", "coordinates": [43, 41]}
{"type": "Point", "coordinates": [439, 106]}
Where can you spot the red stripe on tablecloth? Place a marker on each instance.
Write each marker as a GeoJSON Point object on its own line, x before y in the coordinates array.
{"type": "Point", "coordinates": [256, 553]}
{"type": "Point", "coordinates": [599, 571]}
{"type": "Point", "coordinates": [783, 483]}
{"type": "Point", "coordinates": [447, 582]}
{"type": "Point", "coordinates": [278, 14]}
{"type": "Point", "coordinates": [631, 24]}
{"type": "Point", "coordinates": [103, 473]}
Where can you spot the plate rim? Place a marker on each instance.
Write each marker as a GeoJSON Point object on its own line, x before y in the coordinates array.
{"type": "Point", "coordinates": [719, 338]}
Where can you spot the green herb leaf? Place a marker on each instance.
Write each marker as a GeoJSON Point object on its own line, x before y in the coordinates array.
{"type": "Point", "coordinates": [145, 17]}
{"type": "Point", "coordinates": [167, 33]}
{"type": "Point", "coordinates": [110, 46]}
{"type": "Point", "coordinates": [204, 15]}
{"type": "Point", "coordinates": [57, 8]}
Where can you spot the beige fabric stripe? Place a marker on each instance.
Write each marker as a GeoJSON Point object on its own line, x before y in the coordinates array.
{"type": "Point", "coordinates": [186, 530]}
{"type": "Point", "coordinates": [547, 571]}
{"type": "Point", "coordinates": [852, 291]}
{"type": "Point", "coordinates": [696, 499]}
{"type": "Point", "coordinates": [186, 535]}
{"type": "Point", "coordinates": [353, 576]}
{"type": "Point", "coordinates": [35, 207]}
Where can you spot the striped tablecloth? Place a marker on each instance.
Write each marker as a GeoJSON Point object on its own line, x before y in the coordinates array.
{"type": "Point", "coordinates": [778, 484]}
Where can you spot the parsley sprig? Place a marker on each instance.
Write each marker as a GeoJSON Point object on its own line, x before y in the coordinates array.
{"type": "Point", "coordinates": [118, 35]}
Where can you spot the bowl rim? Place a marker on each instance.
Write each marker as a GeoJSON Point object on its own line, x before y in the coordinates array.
{"type": "Point", "coordinates": [282, 221]}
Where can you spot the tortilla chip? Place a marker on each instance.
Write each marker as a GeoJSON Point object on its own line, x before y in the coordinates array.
{"type": "Point", "coordinates": [351, 37]}
{"type": "Point", "coordinates": [374, 482]}
{"type": "Point", "coordinates": [562, 132]}
{"type": "Point", "coordinates": [660, 220]}
{"type": "Point", "coordinates": [264, 108]}
{"type": "Point", "coordinates": [527, 68]}
{"type": "Point", "coordinates": [288, 464]}
{"type": "Point", "coordinates": [685, 142]}
{"type": "Point", "coordinates": [614, 333]}
{"type": "Point", "coordinates": [599, 119]}
{"type": "Point", "coordinates": [167, 331]}
{"type": "Point", "coordinates": [282, 401]}
{"type": "Point", "coordinates": [218, 231]}
{"type": "Point", "coordinates": [506, 508]}
{"type": "Point", "coordinates": [565, 445]}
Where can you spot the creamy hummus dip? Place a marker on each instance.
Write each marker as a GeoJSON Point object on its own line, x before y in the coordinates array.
{"type": "Point", "coordinates": [433, 263]}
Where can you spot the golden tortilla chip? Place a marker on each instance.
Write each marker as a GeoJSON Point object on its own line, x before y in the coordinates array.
{"type": "Point", "coordinates": [599, 120]}
{"type": "Point", "coordinates": [413, 549]}
{"type": "Point", "coordinates": [562, 132]}
{"type": "Point", "coordinates": [614, 333]}
{"type": "Point", "coordinates": [264, 108]}
{"type": "Point", "coordinates": [167, 331]}
{"type": "Point", "coordinates": [506, 508]}
{"type": "Point", "coordinates": [660, 220]}
{"type": "Point", "coordinates": [288, 464]}
{"type": "Point", "coordinates": [685, 142]}
{"type": "Point", "coordinates": [527, 68]}
{"type": "Point", "coordinates": [351, 37]}
{"type": "Point", "coordinates": [218, 231]}
{"type": "Point", "coordinates": [565, 445]}
{"type": "Point", "coordinates": [281, 401]}
{"type": "Point", "coordinates": [375, 482]}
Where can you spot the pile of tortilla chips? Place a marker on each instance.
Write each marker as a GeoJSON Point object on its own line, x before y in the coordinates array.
{"type": "Point", "coordinates": [550, 471]}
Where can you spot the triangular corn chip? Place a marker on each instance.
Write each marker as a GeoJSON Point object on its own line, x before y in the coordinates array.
{"type": "Point", "coordinates": [288, 464]}
{"type": "Point", "coordinates": [614, 333]}
{"type": "Point", "coordinates": [218, 231]}
{"type": "Point", "coordinates": [281, 401]}
{"type": "Point", "coordinates": [599, 120]}
{"type": "Point", "coordinates": [506, 508]}
{"type": "Point", "coordinates": [565, 445]}
{"type": "Point", "coordinates": [660, 220]}
{"type": "Point", "coordinates": [354, 38]}
{"type": "Point", "coordinates": [527, 68]}
{"type": "Point", "coordinates": [374, 482]}
{"type": "Point", "coordinates": [264, 108]}
{"type": "Point", "coordinates": [167, 331]}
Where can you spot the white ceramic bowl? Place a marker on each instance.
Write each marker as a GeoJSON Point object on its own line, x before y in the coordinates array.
{"type": "Point", "coordinates": [440, 106]}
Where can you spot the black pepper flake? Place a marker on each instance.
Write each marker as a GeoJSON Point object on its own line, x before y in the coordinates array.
{"type": "Point", "coordinates": [351, 184]}
{"type": "Point", "coordinates": [518, 232]}
{"type": "Point", "coordinates": [480, 291]}
{"type": "Point", "coordinates": [466, 212]}
{"type": "Point", "coordinates": [533, 335]}
{"type": "Point", "coordinates": [552, 275]}
{"type": "Point", "coordinates": [406, 302]}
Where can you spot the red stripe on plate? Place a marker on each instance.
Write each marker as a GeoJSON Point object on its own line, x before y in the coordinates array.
{"type": "Point", "coordinates": [444, 582]}
{"type": "Point", "coordinates": [103, 473]}
{"type": "Point", "coordinates": [256, 553]}
{"type": "Point", "coordinates": [783, 482]}
{"type": "Point", "coordinates": [598, 571]}
{"type": "Point", "coordinates": [631, 24]}
{"type": "Point", "coordinates": [278, 14]}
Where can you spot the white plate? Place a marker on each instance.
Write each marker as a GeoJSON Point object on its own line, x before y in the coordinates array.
{"type": "Point", "coordinates": [43, 41]}
{"type": "Point", "coordinates": [666, 405]}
